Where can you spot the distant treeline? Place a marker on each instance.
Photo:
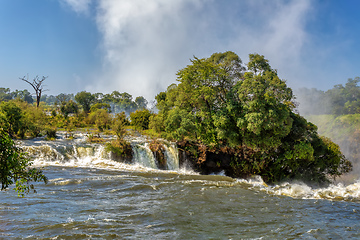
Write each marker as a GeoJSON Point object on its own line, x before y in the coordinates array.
{"type": "Point", "coordinates": [70, 103]}
{"type": "Point", "coordinates": [20, 117]}
{"type": "Point", "coordinates": [339, 100]}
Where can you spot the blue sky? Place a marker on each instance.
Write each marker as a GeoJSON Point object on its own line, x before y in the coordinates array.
{"type": "Point", "coordinates": [136, 46]}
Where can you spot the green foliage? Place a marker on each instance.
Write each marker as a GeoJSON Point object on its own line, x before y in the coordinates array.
{"type": "Point", "coordinates": [121, 149]}
{"type": "Point", "coordinates": [101, 118]}
{"type": "Point", "coordinates": [50, 133]}
{"type": "Point", "coordinates": [105, 106]}
{"type": "Point", "coordinates": [23, 95]}
{"type": "Point", "coordinates": [156, 122]}
{"type": "Point", "coordinates": [141, 102]}
{"type": "Point", "coordinates": [266, 112]}
{"type": "Point", "coordinates": [123, 101]}
{"type": "Point", "coordinates": [258, 64]}
{"type": "Point", "coordinates": [11, 117]}
{"type": "Point", "coordinates": [140, 119]}
{"type": "Point", "coordinates": [119, 125]}
{"type": "Point", "coordinates": [34, 120]}
{"type": "Point", "coordinates": [250, 114]}
{"type": "Point", "coordinates": [343, 130]}
{"type": "Point", "coordinates": [68, 107]}
{"type": "Point", "coordinates": [85, 99]}
{"type": "Point", "coordinates": [190, 108]}
{"type": "Point", "coordinates": [5, 94]}
{"type": "Point", "coordinates": [21, 119]}
{"type": "Point", "coordinates": [15, 167]}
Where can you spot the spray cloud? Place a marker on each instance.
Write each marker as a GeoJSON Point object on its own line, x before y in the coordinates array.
{"type": "Point", "coordinates": [144, 43]}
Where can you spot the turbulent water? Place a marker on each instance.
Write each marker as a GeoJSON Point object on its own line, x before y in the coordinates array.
{"type": "Point", "coordinates": [90, 196]}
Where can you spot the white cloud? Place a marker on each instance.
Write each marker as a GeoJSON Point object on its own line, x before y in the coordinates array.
{"type": "Point", "coordinates": [79, 6]}
{"type": "Point", "coordinates": [145, 42]}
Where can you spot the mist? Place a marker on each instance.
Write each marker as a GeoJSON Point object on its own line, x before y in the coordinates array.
{"type": "Point", "coordinates": [144, 43]}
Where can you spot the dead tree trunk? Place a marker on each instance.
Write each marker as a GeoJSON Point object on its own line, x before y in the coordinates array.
{"type": "Point", "coordinates": [37, 85]}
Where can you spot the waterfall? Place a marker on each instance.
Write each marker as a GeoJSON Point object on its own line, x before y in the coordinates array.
{"type": "Point", "coordinates": [79, 153]}
{"type": "Point", "coordinates": [44, 152]}
{"type": "Point", "coordinates": [172, 157]}
{"type": "Point", "coordinates": [143, 155]}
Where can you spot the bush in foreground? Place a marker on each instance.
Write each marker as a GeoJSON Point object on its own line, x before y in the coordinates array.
{"type": "Point", "coordinates": [15, 167]}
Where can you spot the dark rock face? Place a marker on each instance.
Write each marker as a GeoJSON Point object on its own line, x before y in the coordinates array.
{"type": "Point", "coordinates": [125, 158]}
{"type": "Point", "coordinates": [207, 161]}
{"type": "Point", "coordinates": [159, 153]}
{"type": "Point", "coordinates": [120, 151]}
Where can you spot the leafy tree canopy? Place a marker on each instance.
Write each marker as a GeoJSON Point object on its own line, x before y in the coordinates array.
{"type": "Point", "coordinates": [219, 103]}
{"type": "Point", "coordinates": [85, 99]}
{"type": "Point", "coordinates": [15, 167]}
{"type": "Point", "coordinates": [140, 119]}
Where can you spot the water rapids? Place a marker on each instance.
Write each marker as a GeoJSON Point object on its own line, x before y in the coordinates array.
{"type": "Point", "coordinates": [92, 196]}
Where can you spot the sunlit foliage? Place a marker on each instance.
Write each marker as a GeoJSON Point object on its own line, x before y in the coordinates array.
{"type": "Point", "coordinates": [15, 167]}
{"type": "Point", "coordinates": [218, 104]}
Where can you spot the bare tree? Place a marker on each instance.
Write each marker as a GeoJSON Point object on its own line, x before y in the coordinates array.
{"type": "Point", "coordinates": [37, 85]}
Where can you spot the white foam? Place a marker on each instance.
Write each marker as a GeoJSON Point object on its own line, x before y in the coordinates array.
{"type": "Point", "coordinates": [300, 190]}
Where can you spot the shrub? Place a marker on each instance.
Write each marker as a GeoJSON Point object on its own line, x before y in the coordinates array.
{"type": "Point", "coordinates": [140, 119]}
{"type": "Point", "coordinates": [120, 149]}
{"type": "Point", "coordinates": [15, 167]}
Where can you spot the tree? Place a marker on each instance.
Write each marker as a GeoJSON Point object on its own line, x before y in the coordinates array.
{"type": "Point", "coordinates": [197, 107]}
{"type": "Point", "coordinates": [12, 118]}
{"type": "Point", "coordinates": [141, 102]}
{"type": "Point", "coordinates": [85, 99]}
{"type": "Point", "coordinates": [258, 64]}
{"type": "Point", "coordinates": [37, 85]}
{"type": "Point", "coordinates": [23, 95]}
{"type": "Point", "coordinates": [5, 94]}
{"type": "Point", "coordinates": [266, 102]}
{"type": "Point", "coordinates": [101, 118]}
{"type": "Point", "coordinates": [248, 116]}
{"type": "Point", "coordinates": [119, 123]}
{"type": "Point", "coordinates": [34, 118]}
{"type": "Point", "coordinates": [99, 105]}
{"type": "Point", "coordinates": [15, 167]}
{"type": "Point", "coordinates": [140, 119]}
{"type": "Point", "coordinates": [68, 107]}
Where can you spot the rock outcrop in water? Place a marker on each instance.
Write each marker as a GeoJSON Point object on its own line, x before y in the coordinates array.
{"type": "Point", "coordinates": [225, 160]}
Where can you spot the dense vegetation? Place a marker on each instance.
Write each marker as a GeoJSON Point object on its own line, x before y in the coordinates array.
{"type": "Point", "coordinates": [345, 131]}
{"type": "Point", "coordinates": [117, 102]}
{"type": "Point", "coordinates": [15, 167]}
{"type": "Point", "coordinates": [247, 113]}
{"type": "Point", "coordinates": [20, 118]}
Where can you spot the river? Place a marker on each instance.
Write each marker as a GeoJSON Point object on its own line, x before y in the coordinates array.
{"type": "Point", "coordinates": [92, 197]}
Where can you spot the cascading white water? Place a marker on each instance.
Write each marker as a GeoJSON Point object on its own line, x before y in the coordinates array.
{"type": "Point", "coordinates": [143, 155]}
{"type": "Point", "coordinates": [172, 157]}
{"type": "Point", "coordinates": [79, 153]}
{"type": "Point", "coordinates": [44, 152]}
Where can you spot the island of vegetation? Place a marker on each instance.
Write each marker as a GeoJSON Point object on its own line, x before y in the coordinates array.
{"type": "Point", "coordinates": [242, 120]}
{"type": "Point", "coordinates": [223, 115]}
